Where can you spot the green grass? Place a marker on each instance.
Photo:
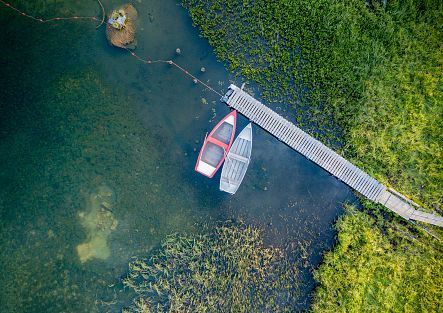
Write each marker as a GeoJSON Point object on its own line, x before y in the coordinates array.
{"type": "Point", "coordinates": [369, 76]}
{"type": "Point", "coordinates": [380, 266]}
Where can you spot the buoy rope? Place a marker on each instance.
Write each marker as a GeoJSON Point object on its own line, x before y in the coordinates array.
{"type": "Point", "coordinates": [146, 61]}
{"type": "Point", "coordinates": [42, 20]}
{"type": "Point", "coordinates": [170, 62]}
{"type": "Point", "coordinates": [103, 14]}
{"type": "Point", "coordinates": [195, 78]}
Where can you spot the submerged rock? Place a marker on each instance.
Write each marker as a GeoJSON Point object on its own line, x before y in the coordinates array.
{"type": "Point", "coordinates": [96, 248]}
{"type": "Point", "coordinates": [99, 222]}
{"type": "Point", "coordinates": [121, 27]}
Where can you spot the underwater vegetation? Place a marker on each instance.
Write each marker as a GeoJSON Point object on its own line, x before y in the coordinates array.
{"type": "Point", "coordinates": [380, 266]}
{"type": "Point", "coordinates": [227, 270]}
{"type": "Point", "coordinates": [63, 136]}
{"type": "Point", "coordinates": [373, 71]}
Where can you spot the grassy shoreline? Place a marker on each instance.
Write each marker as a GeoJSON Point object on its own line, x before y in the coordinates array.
{"type": "Point", "coordinates": [375, 74]}
{"type": "Point", "coordinates": [379, 265]}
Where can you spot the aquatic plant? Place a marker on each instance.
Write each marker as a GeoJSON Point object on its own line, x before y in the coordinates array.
{"type": "Point", "coordinates": [373, 71]}
{"type": "Point", "coordinates": [229, 270]}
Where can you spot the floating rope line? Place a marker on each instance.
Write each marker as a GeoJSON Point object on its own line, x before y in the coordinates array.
{"type": "Point", "coordinates": [103, 14]}
{"type": "Point", "coordinates": [146, 61]}
{"type": "Point", "coordinates": [170, 62]}
{"type": "Point", "coordinates": [41, 20]}
{"type": "Point", "coordinates": [195, 78]}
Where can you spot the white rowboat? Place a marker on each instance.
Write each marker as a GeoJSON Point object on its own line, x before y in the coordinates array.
{"type": "Point", "coordinates": [237, 161]}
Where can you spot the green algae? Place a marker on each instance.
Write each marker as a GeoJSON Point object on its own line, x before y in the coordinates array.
{"type": "Point", "coordinates": [82, 136]}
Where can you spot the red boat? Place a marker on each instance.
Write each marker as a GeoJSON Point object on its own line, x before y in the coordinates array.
{"type": "Point", "coordinates": [216, 146]}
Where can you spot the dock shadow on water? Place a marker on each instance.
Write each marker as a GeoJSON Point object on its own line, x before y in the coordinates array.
{"type": "Point", "coordinates": [97, 156]}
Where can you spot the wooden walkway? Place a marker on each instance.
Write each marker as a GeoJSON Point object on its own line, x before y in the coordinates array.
{"type": "Point", "coordinates": [323, 156]}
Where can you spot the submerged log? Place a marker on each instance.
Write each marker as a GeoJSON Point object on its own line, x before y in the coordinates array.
{"type": "Point", "coordinates": [124, 37]}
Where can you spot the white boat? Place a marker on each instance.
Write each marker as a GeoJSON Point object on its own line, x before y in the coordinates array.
{"type": "Point", "coordinates": [237, 161]}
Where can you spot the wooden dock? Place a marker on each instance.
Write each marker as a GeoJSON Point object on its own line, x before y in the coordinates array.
{"type": "Point", "coordinates": [323, 156]}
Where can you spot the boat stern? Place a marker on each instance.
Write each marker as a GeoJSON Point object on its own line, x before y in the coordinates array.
{"type": "Point", "coordinates": [228, 187]}
{"type": "Point", "coordinates": [205, 169]}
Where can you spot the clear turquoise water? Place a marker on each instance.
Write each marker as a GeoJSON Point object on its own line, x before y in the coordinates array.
{"type": "Point", "coordinates": [76, 114]}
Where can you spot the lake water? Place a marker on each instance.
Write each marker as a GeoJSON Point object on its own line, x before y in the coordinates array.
{"type": "Point", "coordinates": [97, 156]}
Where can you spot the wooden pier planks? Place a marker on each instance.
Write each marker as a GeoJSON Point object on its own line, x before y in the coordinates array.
{"type": "Point", "coordinates": [297, 139]}
{"type": "Point", "coordinates": [406, 209]}
{"type": "Point", "coordinates": [323, 156]}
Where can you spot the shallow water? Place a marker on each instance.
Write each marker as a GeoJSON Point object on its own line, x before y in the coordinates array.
{"type": "Point", "coordinates": [78, 117]}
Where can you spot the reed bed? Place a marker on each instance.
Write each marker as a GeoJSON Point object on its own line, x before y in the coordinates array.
{"type": "Point", "coordinates": [228, 270]}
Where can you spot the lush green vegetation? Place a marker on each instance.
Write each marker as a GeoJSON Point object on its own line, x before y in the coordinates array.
{"type": "Point", "coordinates": [228, 270]}
{"type": "Point", "coordinates": [370, 77]}
{"type": "Point", "coordinates": [380, 266]}
{"type": "Point", "coordinates": [375, 70]}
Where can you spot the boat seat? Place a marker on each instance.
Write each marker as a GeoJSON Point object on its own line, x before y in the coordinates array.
{"type": "Point", "coordinates": [238, 157]}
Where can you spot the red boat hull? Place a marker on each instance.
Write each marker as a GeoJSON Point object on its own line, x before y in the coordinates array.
{"type": "Point", "coordinates": [216, 146]}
